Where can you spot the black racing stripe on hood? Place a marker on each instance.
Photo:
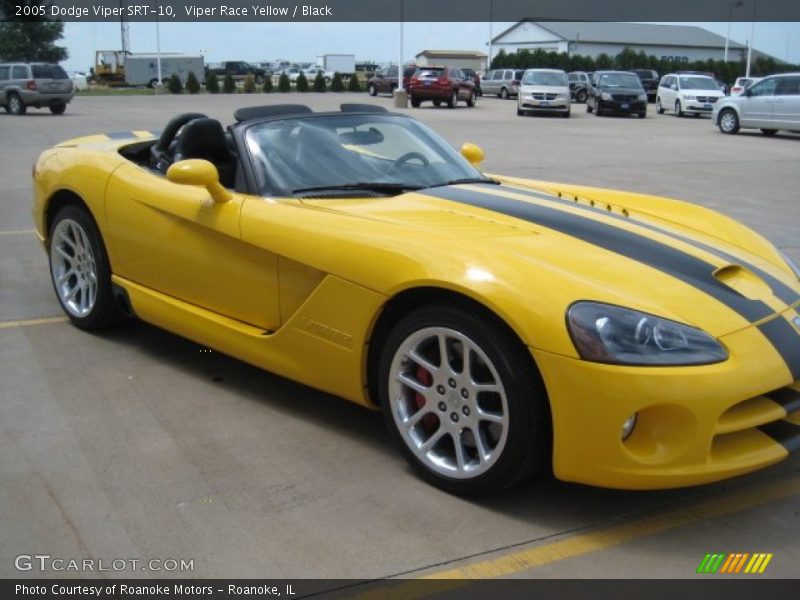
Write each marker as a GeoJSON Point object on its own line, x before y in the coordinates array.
{"type": "Point", "coordinates": [780, 289]}
{"type": "Point", "coordinates": [785, 433]}
{"type": "Point", "coordinates": [689, 269]}
{"type": "Point", "coordinates": [786, 341]}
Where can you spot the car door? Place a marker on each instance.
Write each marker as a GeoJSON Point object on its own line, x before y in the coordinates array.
{"type": "Point", "coordinates": [786, 113]}
{"type": "Point", "coordinates": [666, 91]}
{"type": "Point", "coordinates": [758, 103]}
{"type": "Point", "coordinates": [459, 83]}
{"type": "Point", "coordinates": [174, 239]}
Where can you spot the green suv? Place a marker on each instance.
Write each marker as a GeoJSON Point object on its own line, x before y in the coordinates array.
{"type": "Point", "coordinates": [34, 84]}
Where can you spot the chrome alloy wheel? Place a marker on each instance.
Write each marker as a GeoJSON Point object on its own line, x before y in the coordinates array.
{"type": "Point", "coordinates": [448, 402]}
{"type": "Point", "coordinates": [73, 268]}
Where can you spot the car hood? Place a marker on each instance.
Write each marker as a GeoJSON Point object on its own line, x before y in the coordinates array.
{"type": "Point", "coordinates": [712, 93]}
{"type": "Point", "coordinates": [618, 90]}
{"type": "Point", "coordinates": [528, 236]}
{"type": "Point", "coordinates": [559, 89]}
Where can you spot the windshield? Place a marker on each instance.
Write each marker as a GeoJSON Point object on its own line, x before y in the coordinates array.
{"type": "Point", "coordinates": [545, 78]}
{"type": "Point", "coordinates": [698, 83]}
{"type": "Point", "coordinates": [351, 150]}
{"type": "Point", "coordinates": [619, 80]}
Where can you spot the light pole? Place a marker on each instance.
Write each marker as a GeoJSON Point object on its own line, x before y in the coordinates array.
{"type": "Point", "coordinates": [400, 96]}
{"type": "Point", "coordinates": [731, 6]}
{"type": "Point", "coordinates": [491, 23]}
{"type": "Point", "coordinates": [752, 34]}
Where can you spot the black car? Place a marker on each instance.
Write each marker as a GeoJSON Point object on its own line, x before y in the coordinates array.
{"type": "Point", "coordinates": [617, 92]}
{"type": "Point", "coordinates": [649, 79]}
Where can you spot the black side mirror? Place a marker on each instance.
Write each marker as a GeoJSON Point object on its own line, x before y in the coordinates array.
{"type": "Point", "coordinates": [748, 92]}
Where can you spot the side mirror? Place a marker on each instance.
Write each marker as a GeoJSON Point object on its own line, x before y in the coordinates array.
{"type": "Point", "coordinates": [748, 92]}
{"type": "Point", "coordinates": [195, 171]}
{"type": "Point", "coordinates": [473, 153]}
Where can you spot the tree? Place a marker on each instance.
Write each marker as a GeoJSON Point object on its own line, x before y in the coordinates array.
{"type": "Point", "coordinates": [353, 84]}
{"type": "Point", "coordinates": [212, 83]}
{"type": "Point", "coordinates": [301, 84]}
{"type": "Point", "coordinates": [337, 85]}
{"type": "Point", "coordinates": [284, 85]}
{"type": "Point", "coordinates": [228, 84]}
{"type": "Point", "coordinates": [319, 82]}
{"type": "Point", "coordinates": [175, 86]}
{"type": "Point", "coordinates": [249, 85]}
{"type": "Point", "coordinates": [192, 84]}
{"type": "Point", "coordinates": [31, 39]}
{"type": "Point", "coordinates": [267, 84]}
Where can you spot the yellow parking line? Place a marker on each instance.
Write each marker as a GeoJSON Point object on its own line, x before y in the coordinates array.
{"type": "Point", "coordinates": [615, 535]}
{"type": "Point", "coordinates": [28, 322]}
{"type": "Point", "coordinates": [18, 232]}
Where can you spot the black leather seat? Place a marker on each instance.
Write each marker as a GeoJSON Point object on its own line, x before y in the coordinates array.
{"type": "Point", "coordinates": [204, 138]}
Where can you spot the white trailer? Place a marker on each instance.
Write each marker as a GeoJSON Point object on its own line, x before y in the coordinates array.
{"type": "Point", "coordinates": [142, 69]}
{"type": "Point", "coordinates": [344, 64]}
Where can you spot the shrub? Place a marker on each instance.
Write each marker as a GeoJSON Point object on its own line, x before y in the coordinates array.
{"type": "Point", "coordinates": [175, 86]}
{"type": "Point", "coordinates": [337, 85]}
{"type": "Point", "coordinates": [353, 85]}
{"type": "Point", "coordinates": [212, 84]}
{"type": "Point", "coordinates": [192, 85]}
{"type": "Point", "coordinates": [284, 85]}
{"type": "Point", "coordinates": [249, 84]}
{"type": "Point", "coordinates": [301, 85]}
{"type": "Point", "coordinates": [319, 82]}
{"type": "Point", "coordinates": [228, 84]}
{"type": "Point", "coordinates": [267, 88]}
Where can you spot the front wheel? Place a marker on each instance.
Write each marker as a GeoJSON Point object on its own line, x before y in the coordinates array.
{"type": "Point", "coordinates": [415, 102]}
{"type": "Point", "coordinates": [678, 109]}
{"type": "Point", "coordinates": [80, 271]}
{"type": "Point", "coordinates": [728, 121]}
{"type": "Point", "coordinates": [464, 401]}
{"type": "Point", "coordinates": [659, 108]}
{"type": "Point", "coordinates": [15, 105]}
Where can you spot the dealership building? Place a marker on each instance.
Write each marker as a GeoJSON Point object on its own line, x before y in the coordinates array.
{"type": "Point", "coordinates": [680, 43]}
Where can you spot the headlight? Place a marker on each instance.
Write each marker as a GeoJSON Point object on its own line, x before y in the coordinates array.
{"type": "Point", "coordinates": [612, 334]}
{"type": "Point", "coordinates": [605, 96]}
{"type": "Point", "coordinates": [792, 265]}
{"type": "Point", "coordinates": [643, 97]}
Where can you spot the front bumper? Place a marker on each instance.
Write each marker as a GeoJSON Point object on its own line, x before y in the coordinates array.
{"type": "Point", "coordinates": [697, 107]}
{"type": "Point", "coordinates": [623, 106]}
{"type": "Point", "coordinates": [555, 105]}
{"type": "Point", "coordinates": [695, 424]}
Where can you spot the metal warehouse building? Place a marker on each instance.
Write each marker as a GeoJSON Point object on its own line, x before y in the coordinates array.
{"type": "Point", "coordinates": [454, 58]}
{"type": "Point", "coordinates": [681, 43]}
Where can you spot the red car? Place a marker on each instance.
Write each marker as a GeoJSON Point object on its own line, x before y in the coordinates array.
{"type": "Point", "coordinates": [385, 80]}
{"type": "Point", "coordinates": [441, 84]}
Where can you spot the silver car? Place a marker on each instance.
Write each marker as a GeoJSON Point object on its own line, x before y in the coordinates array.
{"type": "Point", "coordinates": [34, 84]}
{"type": "Point", "coordinates": [769, 105]}
{"type": "Point", "coordinates": [544, 90]}
{"type": "Point", "coordinates": [502, 82]}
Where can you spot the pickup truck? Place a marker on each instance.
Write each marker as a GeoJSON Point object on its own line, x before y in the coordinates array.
{"type": "Point", "coordinates": [238, 69]}
{"type": "Point", "coordinates": [649, 82]}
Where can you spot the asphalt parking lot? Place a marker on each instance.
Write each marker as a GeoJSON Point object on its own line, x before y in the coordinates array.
{"type": "Point", "coordinates": [136, 444]}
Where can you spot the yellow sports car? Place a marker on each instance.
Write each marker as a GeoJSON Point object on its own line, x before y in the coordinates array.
{"type": "Point", "coordinates": [504, 326]}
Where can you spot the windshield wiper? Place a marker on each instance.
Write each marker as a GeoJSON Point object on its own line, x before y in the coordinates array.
{"type": "Point", "coordinates": [366, 185]}
{"type": "Point", "coordinates": [466, 180]}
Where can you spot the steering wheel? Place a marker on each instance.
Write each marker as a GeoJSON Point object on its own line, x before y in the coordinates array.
{"type": "Point", "coordinates": [161, 152]}
{"type": "Point", "coordinates": [407, 157]}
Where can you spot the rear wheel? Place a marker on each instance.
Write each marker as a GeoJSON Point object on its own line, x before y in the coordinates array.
{"type": "Point", "coordinates": [463, 400]}
{"type": "Point", "coordinates": [769, 132]}
{"type": "Point", "coordinates": [728, 121]}
{"type": "Point", "coordinates": [503, 93]}
{"type": "Point", "coordinates": [80, 271]}
{"type": "Point", "coordinates": [472, 100]}
{"type": "Point", "coordinates": [453, 99]}
{"type": "Point", "coordinates": [15, 105]}
{"type": "Point", "coordinates": [373, 91]}
{"type": "Point", "coordinates": [58, 108]}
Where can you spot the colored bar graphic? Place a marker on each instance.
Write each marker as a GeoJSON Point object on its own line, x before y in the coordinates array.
{"type": "Point", "coordinates": [733, 563]}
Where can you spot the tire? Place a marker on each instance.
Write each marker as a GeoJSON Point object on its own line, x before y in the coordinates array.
{"type": "Point", "coordinates": [415, 102]}
{"type": "Point", "coordinates": [437, 103]}
{"type": "Point", "coordinates": [75, 246]}
{"type": "Point", "coordinates": [503, 93]}
{"type": "Point", "coordinates": [467, 454]}
{"type": "Point", "coordinates": [598, 111]}
{"type": "Point", "coordinates": [58, 108]}
{"type": "Point", "coordinates": [642, 115]}
{"type": "Point", "coordinates": [15, 105]}
{"type": "Point", "coordinates": [769, 132]}
{"type": "Point", "coordinates": [520, 112]}
{"type": "Point", "coordinates": [589, 109]}
{"type": "Point", "coordinates": [373, 91]}
{"type": "Point", "coordinates": [453, 99]}
{"type": "Point", "coordinates": [566, 114]}
{"type": "Point", "coordinates": [728, 121]}
{"type": "Point", "coordinates": [472, 100]}
{"type": "Point", "coordinates": [659, 108]}
{"type": "Point", "coordinates": [580, 96]}
{"type": "Point", "coordinates": [678, 110]}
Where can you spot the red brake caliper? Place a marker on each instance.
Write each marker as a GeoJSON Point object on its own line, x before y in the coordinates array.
{"type": "Point", "coordinates": [429, 421]}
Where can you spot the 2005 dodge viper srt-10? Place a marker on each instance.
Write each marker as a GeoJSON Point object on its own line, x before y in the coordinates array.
{"type": "Point", "coordinates": [505, 327]}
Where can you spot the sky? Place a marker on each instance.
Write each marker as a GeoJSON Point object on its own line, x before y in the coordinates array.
{"type": "Point", "coordinates": [378, 42]}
